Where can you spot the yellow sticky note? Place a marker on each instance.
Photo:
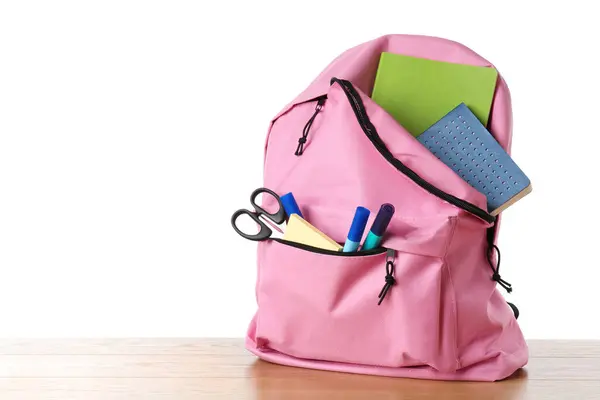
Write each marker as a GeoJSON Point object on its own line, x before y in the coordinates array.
{"type": "Point", "coordinates": [300, 231]}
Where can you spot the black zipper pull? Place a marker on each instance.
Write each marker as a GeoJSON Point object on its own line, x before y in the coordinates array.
{"type": "Point", "coordinates": [302, 140]}
{"type": "Point", "coordinates": [491, 235]}
{"type": "Point", "coordinates": [389, 274]}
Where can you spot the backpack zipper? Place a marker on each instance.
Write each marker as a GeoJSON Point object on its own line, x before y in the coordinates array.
{"type": "Point", "coordinates": [370, 131]}
{"type": "Point", "coordinates": [378, 250]}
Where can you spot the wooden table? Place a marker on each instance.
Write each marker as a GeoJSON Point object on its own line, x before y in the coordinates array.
{"type": "Point", "coordinates": [221, 369]}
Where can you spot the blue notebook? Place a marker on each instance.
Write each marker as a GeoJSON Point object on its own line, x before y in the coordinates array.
{"type": "Point", "coordinates": [461, 142]}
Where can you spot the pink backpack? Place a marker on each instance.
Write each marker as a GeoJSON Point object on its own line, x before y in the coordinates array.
{"type": "Point", "coordinates": [441, 316]}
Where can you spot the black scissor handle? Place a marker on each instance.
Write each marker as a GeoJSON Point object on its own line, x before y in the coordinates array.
{"type": "Point", "coordinates": [279, 216]}
{"type": "Point", "coordinates": [264, 233]}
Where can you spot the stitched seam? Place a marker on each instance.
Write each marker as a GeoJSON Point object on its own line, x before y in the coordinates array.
{"type": "Point", "coordinates": [453, 292]}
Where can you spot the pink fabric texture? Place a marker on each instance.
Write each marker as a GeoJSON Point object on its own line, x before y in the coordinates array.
{"type": "Point", "coordinates": [444, 317]}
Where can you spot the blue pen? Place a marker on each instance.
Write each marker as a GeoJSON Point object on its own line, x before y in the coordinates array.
{"type": "Point", "coordinates": [357, 228]}
{"type": "Point", "coordinates": [379, 226]}
{"type": "Point", "coordinates": [289, 205]}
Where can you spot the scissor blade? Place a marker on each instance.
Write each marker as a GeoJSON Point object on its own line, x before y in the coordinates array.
{"type": "Point", "coordinates": [278, 228]}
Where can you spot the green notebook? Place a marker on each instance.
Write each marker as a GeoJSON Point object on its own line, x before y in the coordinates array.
{"type": "Point", "coordinates": [418, 92]}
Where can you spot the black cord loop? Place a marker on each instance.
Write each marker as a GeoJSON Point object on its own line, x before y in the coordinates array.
{"type": "Point", "coordinates": [306, 130]}
{"type": "Point", "coordinates": [389, 280]}
{"type": "Point", "coordinates": [496, 270]}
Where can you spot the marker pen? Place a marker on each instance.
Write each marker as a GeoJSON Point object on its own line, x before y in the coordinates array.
{"type": "Point", "coordinates": [289, 205]}
{"type": "Point", "coordinates": [357, 228]}
{"type": "Point", "coordinates": [379, 226]}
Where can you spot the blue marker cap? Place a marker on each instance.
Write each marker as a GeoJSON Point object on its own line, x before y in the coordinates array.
{"type": "Point", "coordinates": [361, 216]}
{"type": "Point", "coordinates": [289, 205]}
{"type": "Point", "coordinates": [383, 218]}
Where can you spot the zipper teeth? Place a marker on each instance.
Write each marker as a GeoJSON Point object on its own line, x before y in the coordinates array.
{"type": "Point", "coordinates": [317, 250]}
{"type": "Point", "coordinates": [366, 125]}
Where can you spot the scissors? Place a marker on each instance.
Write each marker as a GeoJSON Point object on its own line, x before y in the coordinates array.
{"type": "Point", "coordinates": [262, 217]}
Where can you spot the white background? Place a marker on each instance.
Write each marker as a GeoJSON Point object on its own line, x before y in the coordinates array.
{"type": "Point", "coordinates": [130, 131]}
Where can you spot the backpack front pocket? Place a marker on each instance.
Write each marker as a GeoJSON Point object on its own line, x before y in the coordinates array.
{"type": "Point", "coordinates": [325, 307]}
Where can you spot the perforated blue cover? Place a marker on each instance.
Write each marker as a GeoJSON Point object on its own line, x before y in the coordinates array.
{"type": "Point", "coordinates": [461, 142]}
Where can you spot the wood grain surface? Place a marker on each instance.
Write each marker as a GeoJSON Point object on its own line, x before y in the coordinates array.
{"type": "Point", "coordinates": [221, 369]}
